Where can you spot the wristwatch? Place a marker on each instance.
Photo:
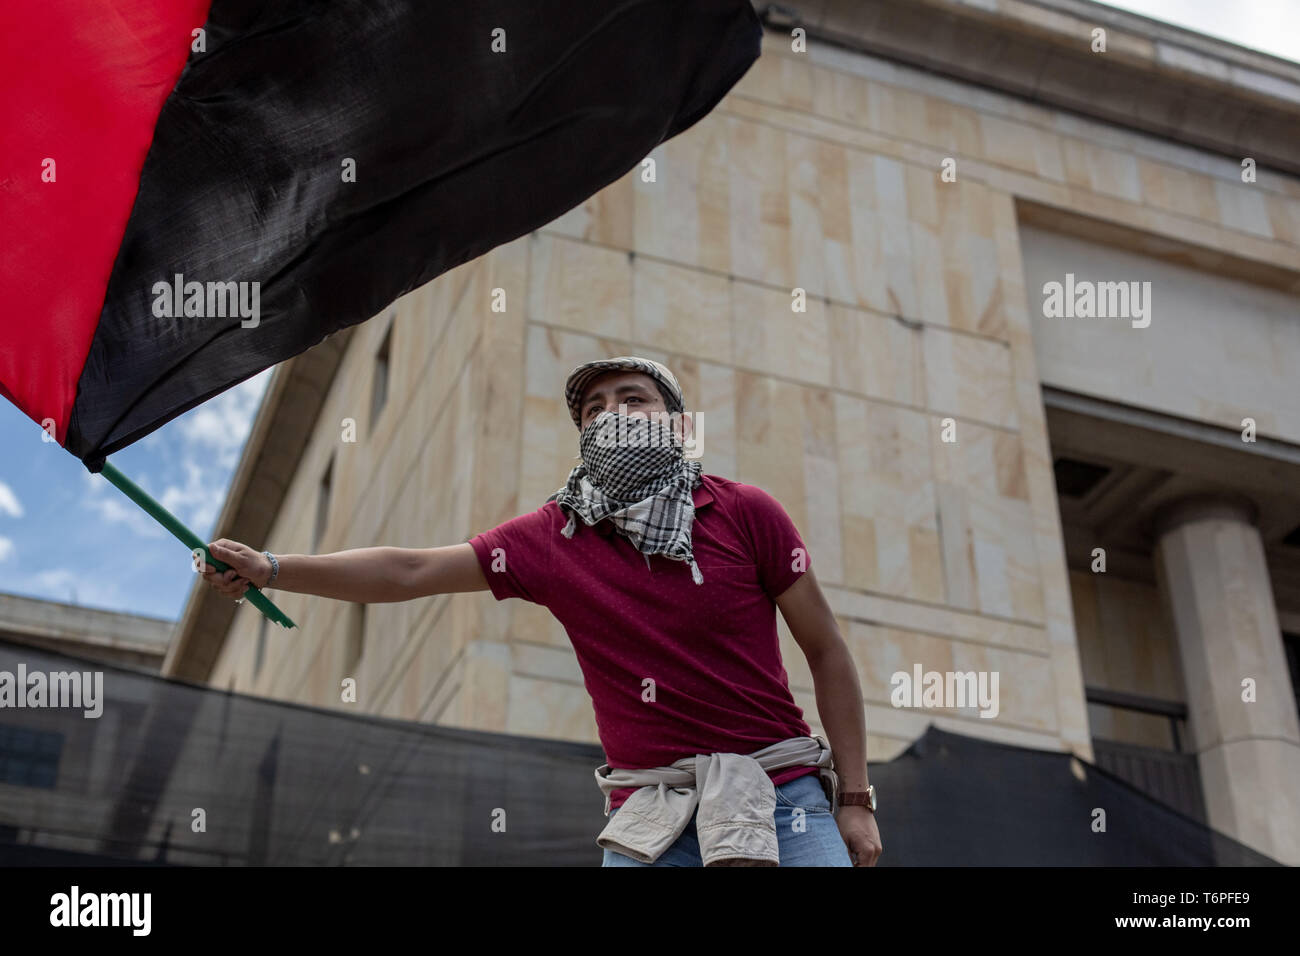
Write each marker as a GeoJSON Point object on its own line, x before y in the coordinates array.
{"type": "Point", "coordinates": [860, 798]}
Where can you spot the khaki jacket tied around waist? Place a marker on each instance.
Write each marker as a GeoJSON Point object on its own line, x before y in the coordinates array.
{"type": "Point", "coordinates": [732, 796]}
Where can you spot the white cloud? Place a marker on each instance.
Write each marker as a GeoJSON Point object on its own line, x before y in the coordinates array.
{"type": "Point", "coordinates": [128, 513]}
{"type": "Point", "coordinates": [6, 548]}
{"type": "Point", "coordinates": [115, 508]}
{"type": "Point", "coordinates": [197, 501]}
{"type": "Point", "coordinates": [9, 504]}
{"type": "Point", "coordinates": [221, 424]}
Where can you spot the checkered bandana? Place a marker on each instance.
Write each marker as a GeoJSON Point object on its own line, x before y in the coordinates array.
{"type": "Point", "coordinates": [634, 472]}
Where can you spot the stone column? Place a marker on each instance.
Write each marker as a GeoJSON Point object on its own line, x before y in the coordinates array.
{"type": "Point", "coordinates": [1210, 564]}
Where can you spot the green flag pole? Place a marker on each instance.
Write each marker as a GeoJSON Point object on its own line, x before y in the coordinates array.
{"type": "Point", "coordinates": [188, 538]}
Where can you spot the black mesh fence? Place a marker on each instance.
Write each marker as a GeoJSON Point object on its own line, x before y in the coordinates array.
{"type": "Point", "coordinates": [174, 773]}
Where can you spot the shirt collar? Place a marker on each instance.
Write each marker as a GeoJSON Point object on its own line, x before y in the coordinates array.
{"type": "Point", "coordinates": [701, 496]}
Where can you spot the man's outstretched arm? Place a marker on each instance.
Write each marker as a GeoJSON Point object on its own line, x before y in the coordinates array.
{"type": "Point", "coordinates": [362, 575]}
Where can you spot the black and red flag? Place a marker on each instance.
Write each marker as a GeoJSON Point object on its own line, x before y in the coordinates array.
{"type": "Point", "coordinates": [194, 190]}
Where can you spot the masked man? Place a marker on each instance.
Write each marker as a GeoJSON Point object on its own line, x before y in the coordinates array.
{"type": "Point", "coordinates": [667, 581]}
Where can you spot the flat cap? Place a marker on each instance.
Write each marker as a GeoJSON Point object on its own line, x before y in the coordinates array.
{"type": "Point", "coordinates": [580, 376]}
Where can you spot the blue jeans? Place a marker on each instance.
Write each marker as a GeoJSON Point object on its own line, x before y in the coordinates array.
{"type": "Point", "coordinates": [806, 832]}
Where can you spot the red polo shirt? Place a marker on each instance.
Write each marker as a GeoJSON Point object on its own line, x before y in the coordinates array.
{"type": "Point", "coordinates": [674, 668]}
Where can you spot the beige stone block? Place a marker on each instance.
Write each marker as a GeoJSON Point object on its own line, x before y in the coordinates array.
{"type": "Point", "coordinates": [953, 128]}
{"type": "Point", "coordinates": [931, 231]}
{"type": "Point", "coordinates": [581, 287]}
{"type": "Point", "coordinates": [771, 337]}
{"type": "Point", "coordinates": [841, 96]}
{"type": "Point", "coordinates": [770, 440]}
{"type": "Point", "coordinates": [969, 377]}
{"type": "Point", "coordinates": [1021, 147]}
{"type": "Point", "coordinates": [1242, 206]}
{"type": "Point", "coordinates": [990, 559]}
{"type": "Point", "coordinates": [1101, 169]}
{"type": "Point", "coordinates": [828, 234]}
{"type": "Point", "coordinates": [875, 356]}
{"type": "Point", "coordinates": [890, 539]}
{"type": "Point", "coordinates": [897, 111]}
{"type": "Point", "coordinates": [1178, 190]}
{"type": "Point", "coordinates": [817, 203]}
{"type": "Point", "coordinates": [980, 253]}
{"type": "Point", "coordinates": [714, 404]}
{"type": "Point", "coordinates": [712, 189]}
{"type": "Point", "coordinates": [955, 260]}
{"type": "Point", "coordinates": [821, 529]}
{"type": "Point", "coordinates": [761, 242]}
{"type": "Point", "coordinates": [881, 242]}
{"type": "Point", "coordinates": [684, 215]}
{"type": "Point", "coordinates": [682, 309]}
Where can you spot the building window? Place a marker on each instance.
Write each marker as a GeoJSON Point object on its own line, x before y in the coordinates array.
{"type": "Point", "coordinates": [322, 505]}
{"type": "Point", "coordinates": [379, 391]}
{"type": "Point", "coordinates": [29, 758]}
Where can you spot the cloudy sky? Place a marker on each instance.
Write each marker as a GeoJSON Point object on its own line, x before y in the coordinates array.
{"type": "Point", "coordinates": [68, 535]}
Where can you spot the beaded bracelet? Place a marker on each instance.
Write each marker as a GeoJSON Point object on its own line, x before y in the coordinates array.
{"type": "Point", "coordinates": [275, 568]}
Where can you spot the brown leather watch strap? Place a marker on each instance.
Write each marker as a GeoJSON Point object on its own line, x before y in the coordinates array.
{"type": "Point", "coordinates": [858, 798]}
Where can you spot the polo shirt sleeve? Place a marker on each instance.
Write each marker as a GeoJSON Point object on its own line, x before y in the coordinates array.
{"type": "Point", "coordinates": [516, 555]}
{"type": "Point", "coordinates": [779, 551]}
